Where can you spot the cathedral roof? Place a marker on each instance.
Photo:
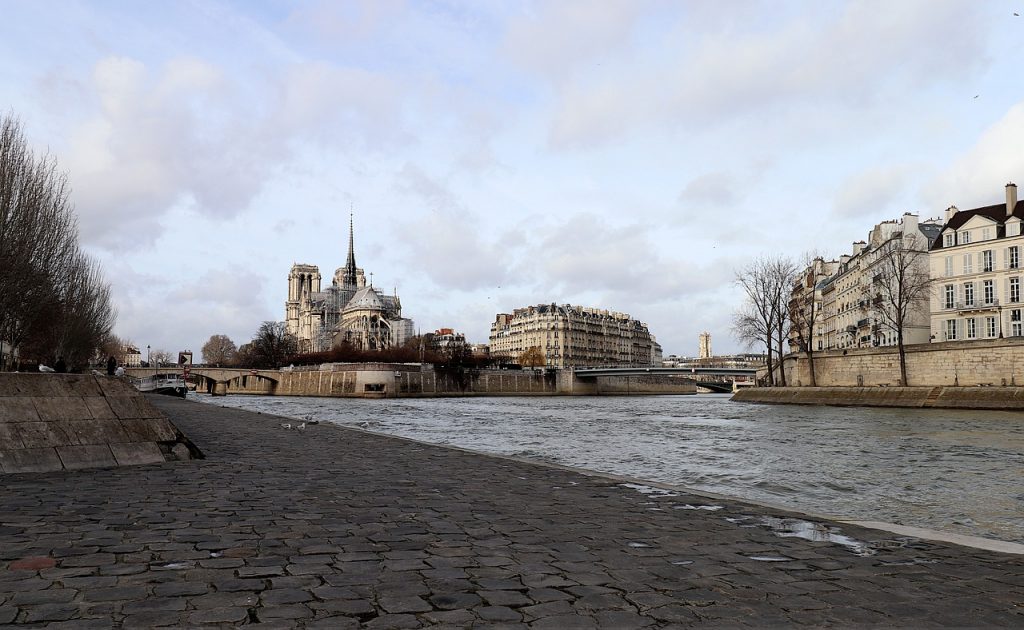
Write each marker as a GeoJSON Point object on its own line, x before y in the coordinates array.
{"type": "Point", "coordinates": [365, 298]}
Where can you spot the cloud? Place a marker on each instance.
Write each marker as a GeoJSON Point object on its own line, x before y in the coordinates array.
{"type": "Point", "coordinates": [441, 239]}
{"type": "Point", "coordinates": [873, 192]}
{"type": "Point", "coordinates": [685, 76]}
{"type": "Point", "coordinates": [556, 37]}
{"type": "Point", "coordinates": [977, 178]}
{"type": "Point", "coordinates": [717, 189]}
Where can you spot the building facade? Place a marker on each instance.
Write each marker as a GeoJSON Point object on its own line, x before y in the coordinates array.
{"type": "Point", "coordinates": [976, 271]}
{"type": "Point", "coordinates": [348, 311]}
{"type": "Point", "coordinates": [851, 299]}
{"type": "Point", "coordinates": [573, 336]}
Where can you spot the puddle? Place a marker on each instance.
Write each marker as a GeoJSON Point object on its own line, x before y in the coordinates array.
{"type": "Point", "coordinates": [817, 532]}
{"type": "Point", "coordinates": [642, 489]}
{"type": "Point", "coordinates": [770, 559]}
{"type": "Point", "coordinates": [638, 545]}
{"type": "Point", "coordinates": [682, 563]}
{"type": "Point", "coordinates": [688, 506]}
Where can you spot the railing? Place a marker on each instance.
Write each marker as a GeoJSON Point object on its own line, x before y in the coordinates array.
{"type": "Point", "coordinates": [970, 306]}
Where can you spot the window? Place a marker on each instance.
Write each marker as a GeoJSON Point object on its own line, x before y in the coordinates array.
{"type": "Point", "coordinates": [986, 234]}
{"type": "Point", "coordinates": [969, 294]}
{"type": "Point", "coordinates": [949, 240]}
{"type": "Point", "coordinates": [990, 326]}
{"type": "Point", "coordinates": [949, 266]}
{"type": "Point", "coordinates": [1015, 323]}
{"type": "Point", "coordinates": [965, 238]}
{"type": "Point", "coordinates": [950, 295]}
{"type": "Point", "coordinates": [950, 329]}
{"type": "Point", "coordinates": [972, 328]}
{"type": "Point", "coordinates": [1014, 290]}
{"type": "Point", "coordinates": [1013, 257]}
{"type": "Point", "coordinates": [1013, 229]}
{"type": "Point", "coordinates": [968, 263]}
{"type": "Point", "coordinates": [990, 292]}
{"type": "Point", "coordinates": [986, 260]}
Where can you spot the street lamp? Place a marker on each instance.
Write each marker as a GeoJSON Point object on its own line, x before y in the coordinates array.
{"type": "Point", "coordinates": [149, 356]}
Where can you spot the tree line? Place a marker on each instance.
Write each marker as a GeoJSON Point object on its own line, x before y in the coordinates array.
{"type": "Point", "coordinates": [55, 306]}
{"type": "Point", "coordinates": [273, 347]}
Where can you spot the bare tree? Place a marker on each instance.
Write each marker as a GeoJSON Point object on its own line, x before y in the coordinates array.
{"type": "Point", "coordinates": [766, 284]}
{"type": "Point", "coordinates": [219, 350]}
{"type": "Point", "coordinates": [161, 358]}
{"type": "Point", "coordinates": [53, 300]}
{"type": "Point", "coordinates": [805, 308]}
{"type": "Point", "coordinates": [272, 346]}
{"type": "Point", "coordinates": [902, 285]}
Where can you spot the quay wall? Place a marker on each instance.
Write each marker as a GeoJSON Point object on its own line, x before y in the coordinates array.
{"type": "Point", "coordinates": [410, 381]}
{"type": "Point", "coordinates": [939, 397]}
{"type": "Point", "coordinates": [989, 363]}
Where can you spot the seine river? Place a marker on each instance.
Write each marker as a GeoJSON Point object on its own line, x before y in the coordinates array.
{"type": "Point", "coordinates": [957, 471]}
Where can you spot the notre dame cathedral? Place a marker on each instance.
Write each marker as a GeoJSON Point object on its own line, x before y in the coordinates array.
{"type": "Point", "coordinates": [347, 311]}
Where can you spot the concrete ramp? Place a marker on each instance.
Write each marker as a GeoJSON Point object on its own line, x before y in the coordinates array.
{"type": "Point", "coordinates": [54, 422]}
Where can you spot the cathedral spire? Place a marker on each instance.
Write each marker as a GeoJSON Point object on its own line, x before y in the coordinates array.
{"type": "Point", "coordinates": [350, 263]}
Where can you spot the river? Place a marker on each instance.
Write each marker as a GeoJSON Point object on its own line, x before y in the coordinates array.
{"type": "Point", "coordinates": [948, 470]}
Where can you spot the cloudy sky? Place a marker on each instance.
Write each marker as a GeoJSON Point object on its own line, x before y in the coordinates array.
{"type": "Point", "coordinates": [628, 155]}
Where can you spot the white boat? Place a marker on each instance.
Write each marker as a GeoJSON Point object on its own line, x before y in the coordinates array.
{"type": "Point", "coordinates": [169, 385]}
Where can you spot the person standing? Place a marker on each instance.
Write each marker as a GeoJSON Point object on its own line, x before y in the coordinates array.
{"type": "Point", "coordinates": [111, 365]}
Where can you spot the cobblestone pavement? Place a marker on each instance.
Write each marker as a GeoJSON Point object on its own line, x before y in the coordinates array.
{"type": "Point", "coordinates": [336, 528]}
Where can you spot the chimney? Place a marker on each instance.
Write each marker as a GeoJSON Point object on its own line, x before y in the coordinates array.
{"type": "Point", "coordinates": [1011, 198]}
{"type": "Point", "coordinates": [950, 211]}
{"type": "Point", "coordinates": [858, 247]}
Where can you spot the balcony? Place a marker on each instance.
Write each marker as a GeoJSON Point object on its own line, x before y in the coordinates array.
{"type": "Point", "coordinates": [972, 306]}
{"type": "Point", "coordinates": [864, 323]}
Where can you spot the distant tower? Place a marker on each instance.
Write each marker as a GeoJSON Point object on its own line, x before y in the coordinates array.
{"type": "Point", "coordinates": [350, 264]}
{"type": "Point", "coordinates": [704, 345]}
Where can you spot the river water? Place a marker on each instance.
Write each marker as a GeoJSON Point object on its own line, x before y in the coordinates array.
{"type": "Point", "coordinates": [948, 470]}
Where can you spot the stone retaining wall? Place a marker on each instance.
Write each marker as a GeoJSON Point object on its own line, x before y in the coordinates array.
{"type": "Point", "coordinates": [1003, 398]}
{"type": "Point", "coordinates": [990, 362]}
{"type": "Point", "coordinates": [70, 421]}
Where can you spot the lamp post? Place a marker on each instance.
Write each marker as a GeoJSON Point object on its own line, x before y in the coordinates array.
{"type": "Point", "coordinates": [149, 356]}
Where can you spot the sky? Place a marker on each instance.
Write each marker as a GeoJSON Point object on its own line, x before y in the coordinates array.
{"type": "Point", "coordinates": [631, 155]}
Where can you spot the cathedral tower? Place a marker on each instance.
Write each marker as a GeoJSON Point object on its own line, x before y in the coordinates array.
{"type": "Point", "coordinates": [351, 273]}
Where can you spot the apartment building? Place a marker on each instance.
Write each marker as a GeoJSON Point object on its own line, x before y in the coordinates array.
{"type": "Point", "coordinates": [850, 299]}
{"type": "Point", "coordinates": [573, 336]}
{"type": "Point", "coordinates": [976, 270]}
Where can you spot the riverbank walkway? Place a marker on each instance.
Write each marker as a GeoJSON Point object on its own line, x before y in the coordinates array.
{"type": "Point", "coordinates": [336, 528]}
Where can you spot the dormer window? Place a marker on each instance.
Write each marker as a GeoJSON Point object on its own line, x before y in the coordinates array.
{"type": "Point", "coordinates": [949, 239]}
{"type": "Point", "coordinates": [965, 238]}
{"type": "Point", "coordinates": [986, 234]}
{"type": "Point", "coordinates": [1013, 229]}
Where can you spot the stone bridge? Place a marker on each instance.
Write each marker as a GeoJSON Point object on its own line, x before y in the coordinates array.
{"type": "Point", "coordinates": [212, 380]}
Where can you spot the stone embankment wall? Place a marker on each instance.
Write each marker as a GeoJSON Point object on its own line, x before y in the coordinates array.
{"type": "Point", "coordinates": [68, 421]}
{"type": "Point", "coordinates": [993, 363]}
{"type": "Point", "coordinates": [374, 380]}
{"type": "Point", "coordinates": [1003, 398]}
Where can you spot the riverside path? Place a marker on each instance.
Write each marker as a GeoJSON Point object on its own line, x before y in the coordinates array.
{"type": "Point", "coordinates": [337, 528]}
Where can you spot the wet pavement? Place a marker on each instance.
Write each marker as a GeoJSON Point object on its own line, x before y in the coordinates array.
{"type": "Point", "coordinates": [337, 528]}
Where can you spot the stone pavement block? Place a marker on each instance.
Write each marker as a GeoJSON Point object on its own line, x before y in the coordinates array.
{"type": "Point", "coordinates": [50, 612]}
{"type": "Point", "coordinates": [66, 408]}
{"type": "Point", "coordinates": [406, 604]}
{"type": "Point", "coordinates": [84, 385]}
{"type": "Point", "coordinates": [30, 460]}
{"type": "Point", "coordinates": [98, 407]}
{"type": "Point", "coordinates": [93, 456]}
{"type": "Point", "coordinates": [43, 434]}
{"type": "Point", "coordinates": [132, 453]}
{"type": "Point", "coordinates": [14, 409]}
{"type": "Point", "coordinates": [387, 622]}
{"type": "Point", "coordinates": [132, 406]}
{"type": "Point", "coordinates": [233, 616]}
{"type": "Point", "coordinates": [115, 593]}
{"type": "Point", "coordinates": [496, 614]}
{"type": "Point", "coordinates": [48, 596]}
{"type": "Point", "coordinates": [565, 622]}
{"type": "Point", "coordinates": [8, 614]}
{"type": "Point", "coordinates": [98, 431]}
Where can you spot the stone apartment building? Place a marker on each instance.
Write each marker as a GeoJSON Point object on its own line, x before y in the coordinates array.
{"type": "Point", "coordinates": [849, 298]}
{"type": "Point", "coordinates": [976, 270]}
{"type": "Point", "coordinates": [573, 336]}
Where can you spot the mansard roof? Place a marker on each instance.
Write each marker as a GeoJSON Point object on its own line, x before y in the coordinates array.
{"type": "Point", "coordinates": [995, 212]}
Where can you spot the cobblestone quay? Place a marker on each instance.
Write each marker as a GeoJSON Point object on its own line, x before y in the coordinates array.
{"type": "Point", "coordinates": [336, 528]}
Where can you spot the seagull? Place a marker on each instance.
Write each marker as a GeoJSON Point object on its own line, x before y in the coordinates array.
{"type": "Point", "coordinates": [46, 368]}
{"type": "Point", "coordinates": [301, 427]}
{"type": "Point", "coordinates": [286, 425]}
{"type": "Point", "coordinates": [977, 95]}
